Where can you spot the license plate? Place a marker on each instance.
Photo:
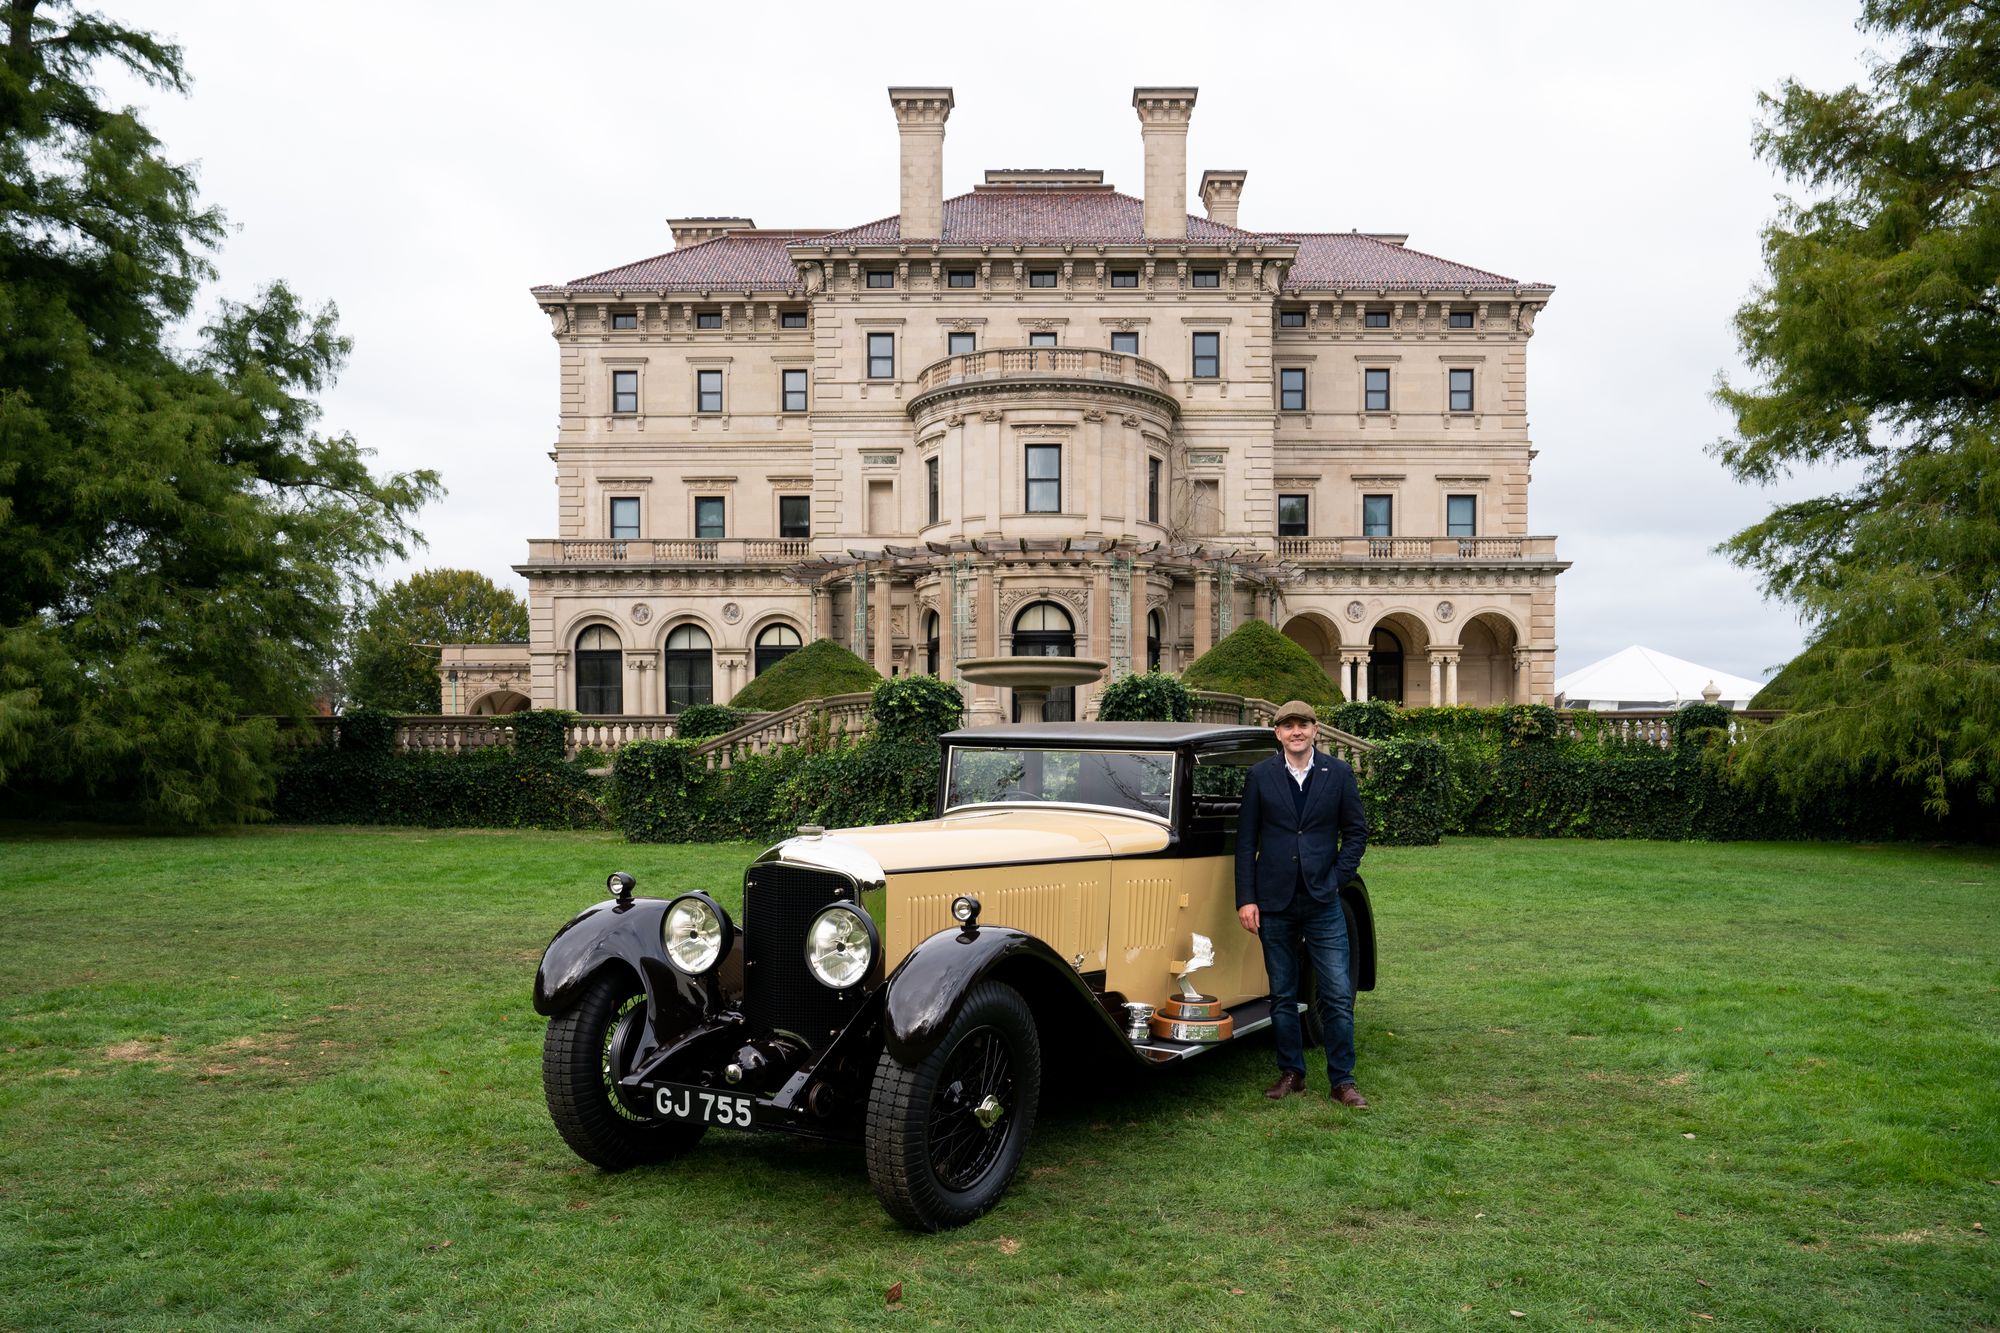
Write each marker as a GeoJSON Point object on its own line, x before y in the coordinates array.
{"type": "Point", "coordinates": [705, 1106]}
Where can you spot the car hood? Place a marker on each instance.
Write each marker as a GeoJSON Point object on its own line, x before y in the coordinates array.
{"type": "Point", "coordinates": [1004, 836]}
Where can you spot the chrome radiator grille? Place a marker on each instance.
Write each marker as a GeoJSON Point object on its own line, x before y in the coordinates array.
{"type": "Point", "coordinates": [779, 902]}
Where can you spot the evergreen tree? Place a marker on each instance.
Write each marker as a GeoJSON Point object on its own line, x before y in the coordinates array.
{"type": "Point", "coordinates": [1877, 338]}
{"type": "Point", "coordinates": [175, 535]}
{"type": "Point", "coordinates": [393, 669]}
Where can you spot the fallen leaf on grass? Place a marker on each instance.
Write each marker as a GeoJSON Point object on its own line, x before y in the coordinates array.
{"type": "Point", "coordinates": [1978, 1227]}
{"type": "Point", "coordinates": [1687, 1136]}
{"type": "Point", "coordinates": [1236, 1291]}
{"type": "Point", "coordinates": [1518, 1314]}
{"type": "Point", "coordinates": [1700, 1283]}
{"type": "Point", "coordinates": [894, 1294]}
{"type": "Point", "coordinates": [1008, 1245]}
{"type": "Point", "coordinates": [1699, 1315]}
{"type": "Point", "coordinates": [441, 1245]}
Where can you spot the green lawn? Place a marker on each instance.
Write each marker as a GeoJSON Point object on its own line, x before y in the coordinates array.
{"type": "Point", "coordinates": [290, 1077]}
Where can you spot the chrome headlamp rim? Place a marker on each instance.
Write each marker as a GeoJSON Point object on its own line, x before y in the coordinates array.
{"type": "Point", "coordinates": [857, 946]}
{"type": "Point", "coordinates": [710, 938]}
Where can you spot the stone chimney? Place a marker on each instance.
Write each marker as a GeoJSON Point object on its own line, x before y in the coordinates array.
{"type": "Point", "coordinates": [693, 231]}
{"type": "Point", "coordinates": [920, 117]}
{"type": "Point", "coordinates": [1163, 127]}
{"type": "Point", "coordinates": [1221, 192]}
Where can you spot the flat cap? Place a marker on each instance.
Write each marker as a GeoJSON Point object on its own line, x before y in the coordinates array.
{"type": "Point", "coordinates": [1297, 709]}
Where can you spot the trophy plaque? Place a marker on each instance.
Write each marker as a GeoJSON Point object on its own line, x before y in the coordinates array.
{"type": "Point", "coordinates": [1191, 1016]}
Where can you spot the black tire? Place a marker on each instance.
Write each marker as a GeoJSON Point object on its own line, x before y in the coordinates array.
{"type": "Point", "coordinates": [932, 1162]}
{"type": "Point", "coordinates": [593, 1119]}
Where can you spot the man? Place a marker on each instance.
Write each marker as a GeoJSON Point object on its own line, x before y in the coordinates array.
{"type": "Point", "coordinates": [1299, 837]}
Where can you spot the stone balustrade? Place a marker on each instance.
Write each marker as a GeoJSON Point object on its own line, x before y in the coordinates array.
{"type": "Point", "coordinates": [1406, 549]}
{"type": "Point", "coordinates": [1026, 363]}
{"type": "Point", "coordinates": [670, 551]}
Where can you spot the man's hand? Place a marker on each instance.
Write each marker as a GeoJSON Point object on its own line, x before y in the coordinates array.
{"type": "Point", "coordinates": [1248, 915]}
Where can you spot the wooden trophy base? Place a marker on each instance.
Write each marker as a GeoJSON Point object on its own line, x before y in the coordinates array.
{"type": "Point", "coordinates": [1196, 1019]}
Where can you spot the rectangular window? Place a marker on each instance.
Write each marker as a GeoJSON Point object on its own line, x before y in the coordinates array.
{"type": "Point", "coordinates": [1044, 478]}
{"type": "Point", "coordinates": [1207, 277]}
{"type": "Point", "coordinates": [792, 319]}
{"type": "Point", "coordinates": [1042, 277]}
{"type": "Point", "coordinates": [795, 516]}
{"type": "Point", "coordinates": [879, 278]}
{"type": "Point", "coordinates": [958, 344]}
{"type": "Point", "coordinates": [1292, 516]}
{"type": "Point", "coordinates": [1375, 319]}
{"type": "Point", "coordinates": [1291, 319]}
{"type": "Point", "coordinates": [708, 319]}
{"type": "Point", "coordinates": [1292, 389]}
{"type": "Point", "coordinates": [962, 277]}
{"type": "Point", "coordinates": [708, 517]}
{"type": "Point", "coordinates": [624, 319]}
{"type": "Point", "coordinates": [1126, 341]}
{"type": "Point", "coordinates": [1461, 516]}
{"type": "Point", "coordinates": [1042, 338]}
{"type": "Point", "coordinates": [931, 494]}
{"type": "Point", "coordinates": [1124, 277]}
{"type": "Point", "coordinates": [881, 356]}
{"type": "Point", "coordinates": [1376, 515]}
{"type": "Point", "coordinates": [1461, 390]}
{"type": "Point", "coordinates": [625, 518]}
{"type": "Point", "coordinates": [1459, 319]}
{"type": "Point", "coordinates": [708, 390]}
{"type": "Point", "coordinates": [1207, 356]}
{"type": "Point", "coordinates": [1375, 389]}
{"type": "Point", "coordinates": [1153, 470]}
{"type": "Point", "coordinates": [795, 391]}
{"type": "Point", "coordinates": [624, 391]}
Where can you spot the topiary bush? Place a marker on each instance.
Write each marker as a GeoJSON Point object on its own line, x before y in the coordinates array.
{"type": "Point", "coordinates": [1146, 696]}
{"type": "Point", "coordinates": [916, 708]}
{"type": "Point", "coordinates": [1255, 660]}
{"type": "Point", "coordinates": [815, 671]}
{"type": "Point", "coordinates": [698, 722]}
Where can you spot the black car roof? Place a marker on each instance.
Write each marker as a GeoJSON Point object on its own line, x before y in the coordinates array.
{"type": "Point", "coordinates": [1144, 735]}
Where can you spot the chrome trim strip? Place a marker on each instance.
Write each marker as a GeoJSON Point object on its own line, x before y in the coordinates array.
{"type": "Point", "coordinates": [820, 852]}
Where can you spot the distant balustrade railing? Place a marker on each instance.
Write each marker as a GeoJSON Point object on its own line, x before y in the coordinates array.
{"type": "Point", "coordinates": [835, 716]}
{"type": "Point", "coordinates": [1027, 362]}
{"type": "Point", "coordinates": [1414, 548]}
{"type": "Point", "coordinates": [670, 551]}
{"type": "Point", "coordinates": [1654, 726]}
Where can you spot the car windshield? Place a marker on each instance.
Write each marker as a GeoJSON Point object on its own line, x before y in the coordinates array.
{"type": "Point", "coordinates": [1137, 780]}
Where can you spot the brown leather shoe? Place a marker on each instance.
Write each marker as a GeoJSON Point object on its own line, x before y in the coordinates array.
{"type": "Point", "coordinates": [1348, 1095]}
{"type": "Point", "coordinates": [1288, 1085]}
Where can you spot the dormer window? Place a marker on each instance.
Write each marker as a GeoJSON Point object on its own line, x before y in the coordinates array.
{"type": "Point", "coordinates": [879, 278]}
{"type": "Point", "coordinates": [1207, 277]}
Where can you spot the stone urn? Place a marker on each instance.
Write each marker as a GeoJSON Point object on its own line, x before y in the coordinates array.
{"type": "Point", "coordinates": [1031, 678]}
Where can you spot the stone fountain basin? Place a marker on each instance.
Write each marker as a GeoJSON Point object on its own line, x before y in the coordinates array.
{"type": "Point", "coordinates": [1031, 673]}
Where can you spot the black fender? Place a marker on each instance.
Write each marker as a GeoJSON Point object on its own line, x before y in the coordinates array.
{"type": "Point", "coordinates": [925, 993]}
{"type": "Point", "coordinates": [1360, 933]}
{"type": "Point", "coordinates": [612, 934]}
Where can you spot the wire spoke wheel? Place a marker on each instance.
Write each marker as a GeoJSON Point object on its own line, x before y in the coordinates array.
{"type": "Point", "coordinates": [587, 1046]}
{"type": "Point", "coordinates": [969, 1122]}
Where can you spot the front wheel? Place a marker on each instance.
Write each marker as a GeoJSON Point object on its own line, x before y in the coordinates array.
{"type": "Point", "coordinates": [587, 1046]}
{"type": "Point", "coordinates": [946, 1135]}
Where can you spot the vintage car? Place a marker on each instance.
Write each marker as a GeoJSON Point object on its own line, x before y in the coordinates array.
{"type": "Point", "coordinates": [902, 986]}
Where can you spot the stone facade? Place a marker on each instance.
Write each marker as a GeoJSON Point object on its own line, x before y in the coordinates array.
{"type": "Point", "coordinates": [1040, 408]}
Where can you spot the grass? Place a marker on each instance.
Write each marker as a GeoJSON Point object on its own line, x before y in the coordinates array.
{"type": "Point", "coordinates": [290, 1077]}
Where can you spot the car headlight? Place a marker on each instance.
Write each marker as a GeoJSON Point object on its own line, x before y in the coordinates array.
{"type": "Point", "coordinates": [840, 944]}
{"type": "Point", "coordinates": [696, 933]}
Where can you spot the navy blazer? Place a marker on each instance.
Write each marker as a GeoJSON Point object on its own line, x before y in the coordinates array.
{"type": "Point", "coordinates": [1274, 842]}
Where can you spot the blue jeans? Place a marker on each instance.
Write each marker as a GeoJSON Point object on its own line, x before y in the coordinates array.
{"type": "Point", "coordinates": [1323, 928]}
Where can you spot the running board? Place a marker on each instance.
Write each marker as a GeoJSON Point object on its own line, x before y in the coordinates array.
{"type": "Point", "coordinates": [1250, 1017]}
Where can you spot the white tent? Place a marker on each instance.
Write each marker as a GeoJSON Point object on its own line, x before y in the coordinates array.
{"type": "Point", "coordinates": [1637, 679]}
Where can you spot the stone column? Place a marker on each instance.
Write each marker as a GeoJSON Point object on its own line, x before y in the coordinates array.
{"type": "Point", "coordinates": [947, 621]}
{"type": "Point", "coordinates": [1520, 690]}
{"type": "Point", "coordinates": [884, 639]}
{"type": "Point", "coordinates": [857, 613]}
{"type": "Point", "coordinates": [1204, 613]}
{"type": "Point", "coordinates": [1141, 617]}
{"type": "Point", "coordinates": [1437, 678]}
{"type": "Point", "coordinates": [1100, 640]}
{"type": "Point", "coordinates": [1353, 674]}
{"type": "Point", "coordinates": [1451, 680]}
{"type": "Point", "coordinates": [822, 609]}
{"type": "Point", "coordinates": [985, 710]}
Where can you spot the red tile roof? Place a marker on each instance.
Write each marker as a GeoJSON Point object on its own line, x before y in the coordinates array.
{"type": "Point", "coordinates": [758, 262]}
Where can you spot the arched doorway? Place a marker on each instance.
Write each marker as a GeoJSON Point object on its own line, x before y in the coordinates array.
{"type": "Point", "coordinates": [1044, 629]}
{"type": "Point", "coordinates": [498, 702]}
{"type": "Point", "coordinates": [931, 642]}
{"type": "Point", "coordinates": [1385, 665]}
{"type": "Point", "coordinates": [689, 667]}
{"type": "Point", "coordinates": [774, 645]}
{"type": "Point", "coordinates": [600, 672]}
{"type": "Point", "coordinates": [1486, 662]}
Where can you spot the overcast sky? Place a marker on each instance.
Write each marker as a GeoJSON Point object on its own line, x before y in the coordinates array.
{"type": "Point", "coordinates": [421, 165]}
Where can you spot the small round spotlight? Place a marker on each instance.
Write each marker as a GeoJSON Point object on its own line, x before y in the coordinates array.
{"type": "Point", "coordinates": [965, 910]}
{"type": "Point", "coordinates": [619, 885]}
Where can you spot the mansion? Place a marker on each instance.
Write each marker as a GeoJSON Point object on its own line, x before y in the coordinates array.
{"type": "Point", "coordinates": [1040, 417]}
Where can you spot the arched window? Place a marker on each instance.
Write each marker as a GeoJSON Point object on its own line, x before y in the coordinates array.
{"type": "Point", "coordinates": [776, 643]}
{"type": "Point", "coordinates": [690, 668]}
{"type": "Point", "coordinates": [1156, 630]}
{"type": "Point", "coordinates": [931, 642]}
{"type": "Point", "coordinates": [1044, 629]}
{"type": "Point", "coordinates": [600, 672]}
{"type": "Point", "coordinates": [1385, 665]}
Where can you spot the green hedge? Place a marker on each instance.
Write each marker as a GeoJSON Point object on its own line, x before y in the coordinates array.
{"type": "Point", "coordinates": [494, 788]}
{"type": "Point", "coordinates": [698, 722]}
{"type": "Point", "coordinates": [1403, 786]}
{"type": "Point", "coordinates": [664, 793]}
{"type": "Point", "coordinates": [1146, 696]}
{"type": "Point", "coordinates": [815, 671]}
